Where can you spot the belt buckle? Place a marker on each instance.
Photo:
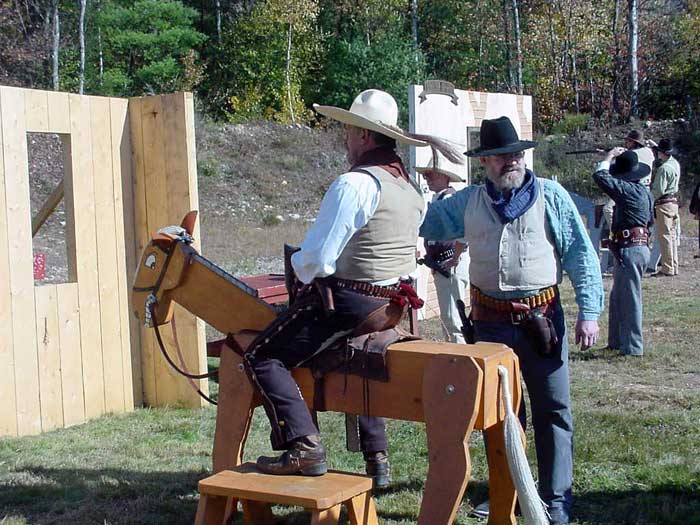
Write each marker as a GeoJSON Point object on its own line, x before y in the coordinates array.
{"type": "Point", "coordinates": [517, 317]}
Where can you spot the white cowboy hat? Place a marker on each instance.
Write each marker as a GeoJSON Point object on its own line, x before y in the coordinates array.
{"type": "Point", "coordinates": [374, 110]}
{"type": "Point", "coordinates": [440, 167]}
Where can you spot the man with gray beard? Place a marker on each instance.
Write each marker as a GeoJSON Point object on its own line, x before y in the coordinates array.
{"type": "Point", "coordinates": [523, 232]}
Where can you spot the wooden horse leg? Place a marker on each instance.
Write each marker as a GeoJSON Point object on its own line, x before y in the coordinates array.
{"type": "Point", "coordinates": [502, 494]}
{"type": "Point", "coordinates": [451, 400]}
{"type": "Point", "coordinates": [234, 413]}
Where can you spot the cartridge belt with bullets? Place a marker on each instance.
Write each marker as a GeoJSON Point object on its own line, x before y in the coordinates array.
{"type": "Point", "coordinates": [486, 308]}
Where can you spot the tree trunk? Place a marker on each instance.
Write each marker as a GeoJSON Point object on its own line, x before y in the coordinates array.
{"type": "Point", "coordinates": [518, 50]}
{"type": "Point", "coordinates": [218, 21]}
{"type": "Point", "coordinates": [553, 47]}
{"type": "Point", "coordinates": [414, 22]}
{"type": "Point", "coordinates": [506, 32]}
{"type": "Point", "coordinates": [617, 61]}
{"type": "Point", "coordinates": [56, 43]}
{"type": "Point", "coordinates": [81, 32]}
{"type": "Point", "coordinates": [633, 44]}
{"type": "Point", "coordinates": [289, 76]}
{"type": "Point", "coordinates": [99, 46]}
{"type": "Point", "coordinates": [591, 86]}
{"type": "Point", "coordinates": [574, 75]}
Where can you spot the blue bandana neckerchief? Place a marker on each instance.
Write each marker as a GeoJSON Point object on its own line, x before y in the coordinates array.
{"type": "Point", "coordinates": [518, 202]}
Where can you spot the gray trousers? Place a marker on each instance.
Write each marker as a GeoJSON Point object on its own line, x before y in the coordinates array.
{"type": "Point", "coordinates": [625, 308]}
{"type": "Point", "coordinates": [547, 380]}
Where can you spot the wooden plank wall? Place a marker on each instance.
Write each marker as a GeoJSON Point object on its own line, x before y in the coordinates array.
{"type": "Point", "coordinates": [164, 164]}
{"type": "Point", "coordinates": [66, 349]}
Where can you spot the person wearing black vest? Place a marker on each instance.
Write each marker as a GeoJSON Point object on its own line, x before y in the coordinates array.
{"type": "Point", "coordinates": [618, 175]}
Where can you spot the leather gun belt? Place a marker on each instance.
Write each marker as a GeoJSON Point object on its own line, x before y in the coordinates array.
{"type": "Point", "coordinates": [636, 236]}
{"type": "Point", "coordinates": [669, 198]}
{"type": "Point", "coordinates": [373, 290]}
{"type": "Point", "coordinates": [513, 311]}
{"type": "Point", "coordinates": [544, 297]}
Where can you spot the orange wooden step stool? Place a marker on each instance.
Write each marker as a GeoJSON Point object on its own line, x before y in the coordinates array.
{"type": "Point", "coordinates": [322, 496]}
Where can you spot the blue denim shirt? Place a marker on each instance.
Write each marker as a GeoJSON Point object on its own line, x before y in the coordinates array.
{"type": "Point", "coordinates": [444, 220]}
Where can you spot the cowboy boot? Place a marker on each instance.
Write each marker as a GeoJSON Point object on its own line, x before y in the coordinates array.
{"type": "Point", "coordinates": [306, 456]}
{"type": "Point", "coordinates": [377, 466]}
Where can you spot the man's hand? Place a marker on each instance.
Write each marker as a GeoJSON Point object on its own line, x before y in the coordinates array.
{"type": "Point", "coordinates": [586, 333]}
{"type": "Point", "coordinates": [615, 152]}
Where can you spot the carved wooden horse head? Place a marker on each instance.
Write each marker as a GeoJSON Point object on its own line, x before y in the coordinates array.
{"type": "Point", "coordinates": [170, 270]}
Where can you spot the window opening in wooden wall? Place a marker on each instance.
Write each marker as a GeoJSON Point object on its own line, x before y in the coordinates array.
{"type": "Point", "coordinates": [53, 228]}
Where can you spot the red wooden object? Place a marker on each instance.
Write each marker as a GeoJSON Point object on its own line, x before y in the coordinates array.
{"type": "Point", "coordinates": [39, 266]}
{"type": "Point", "coordinates": [269, 287]}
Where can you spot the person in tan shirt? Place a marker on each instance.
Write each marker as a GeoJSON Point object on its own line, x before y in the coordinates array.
{"type": "Point", "coordinates": [664, 188]}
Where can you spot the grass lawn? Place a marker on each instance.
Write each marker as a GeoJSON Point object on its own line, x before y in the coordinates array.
{"type": "Point", "coordinates": [636, 460]}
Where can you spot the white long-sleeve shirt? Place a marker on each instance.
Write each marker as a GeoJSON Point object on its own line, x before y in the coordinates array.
{"type": "Point", "coordinates": [346, 207]}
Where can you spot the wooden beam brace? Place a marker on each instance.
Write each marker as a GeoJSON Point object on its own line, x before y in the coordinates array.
{"type": "Point", "coordinates": [48, 207]}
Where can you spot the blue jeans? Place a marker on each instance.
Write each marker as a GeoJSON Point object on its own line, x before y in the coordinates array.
{"type": "Point", "coordinates": [547, 380]}
{"type": "Point", "coordinates": [625, 308]}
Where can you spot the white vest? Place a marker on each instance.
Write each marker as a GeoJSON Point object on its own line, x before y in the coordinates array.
{"type": "Point", "coordinates": [506, 257]}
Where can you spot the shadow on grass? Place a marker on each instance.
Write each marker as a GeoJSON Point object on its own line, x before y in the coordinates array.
{"type": "Point", "coordinates": [661, 505]}
{"type": "Point", "coordinates": [101, 496]}
{"type": "Point", "coordinates": [82, 496]}
{"type": "Point", "coordinates": [594, 354]}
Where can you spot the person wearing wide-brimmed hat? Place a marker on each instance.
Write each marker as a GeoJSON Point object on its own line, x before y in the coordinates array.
{"type": "Point", "coordinates": [356, 253]}
{"type": "Point", "coordinates": [523, 232]}
{"type": "Point", "coordinates": [619, 175]}
{"type": "Point", "coordinates": [636, 142]}
{"type": "Point", "coordinates": [664, 188]}
{"type": "Point", "coordinates": [449, 260]}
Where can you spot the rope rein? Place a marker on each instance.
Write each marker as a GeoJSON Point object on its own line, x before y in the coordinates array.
{"type": "Point", "coordinates": [172, 363]}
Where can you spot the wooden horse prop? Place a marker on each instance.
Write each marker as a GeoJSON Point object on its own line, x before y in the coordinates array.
{"type": "Point", "coordinates": [453, 388]}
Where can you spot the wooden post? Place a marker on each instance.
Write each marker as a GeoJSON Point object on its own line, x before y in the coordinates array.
{"type": "Point", "coordinates": [165, 189]}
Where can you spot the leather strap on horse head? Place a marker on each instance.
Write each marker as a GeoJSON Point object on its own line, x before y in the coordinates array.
{"type": "Point", "coordinates": [180, 371]}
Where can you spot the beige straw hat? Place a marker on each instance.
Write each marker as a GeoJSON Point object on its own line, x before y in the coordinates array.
{"type": "Point", "coordinates": [374, 110]}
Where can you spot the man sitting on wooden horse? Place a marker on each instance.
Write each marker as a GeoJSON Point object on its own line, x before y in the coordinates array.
{"type": "Point", "coordinates": [349, 270]}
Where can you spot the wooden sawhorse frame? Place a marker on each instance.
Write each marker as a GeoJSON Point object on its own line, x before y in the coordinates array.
{"type": "Point", "coordinates": [452, 388]}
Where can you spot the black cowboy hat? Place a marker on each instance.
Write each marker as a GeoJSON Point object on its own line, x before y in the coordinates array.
{"type": "Point", "coordinates": [627, 167]}
{"type": "Point", "coordinates": [497, 137]}
{"type": "Point", "coordinates": [665, 146]}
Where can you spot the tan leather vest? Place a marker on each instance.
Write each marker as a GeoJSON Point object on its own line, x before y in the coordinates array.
{"type": "Point", "coordinates": [385, 247]}
{"type": "Point", "coordinates": [505, 257]}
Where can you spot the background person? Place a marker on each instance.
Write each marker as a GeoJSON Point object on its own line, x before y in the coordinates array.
{"type": "Point", "coordinates": [664, 189]}
{"type": "Point", "coordinates": [643, 147]}
{"type": "Point", "coordinates": [451, 276]}
{"type": "Point", "coordinates": [631, 222]}
{"type": "Point", "coordinates": [523, 231]}
{"type": "Point", "coordinates": [695, 211]}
